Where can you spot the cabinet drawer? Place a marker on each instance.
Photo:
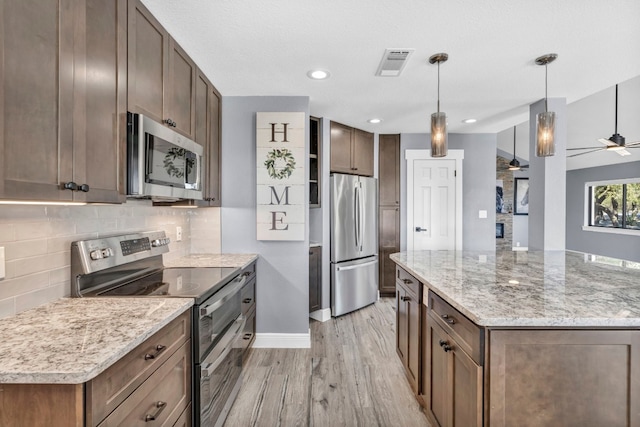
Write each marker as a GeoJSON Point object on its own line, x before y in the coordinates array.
{"type": "Point", "coordinates": [105, 392]}
{"type": "Point", "coordinates": [162, 398]}
{"type": "Point", "coordinates": [468, 335]}
{"type": "Point", "coordinates": [408, 281]}
{"type": "Point", "coordinates": [185, 418]}
{"type": "Point", "coordinates": [249, 333]}
{"type": "Point", "coordinates": [249, 271]}
{"type": "Point", "coordinates": [248, 296]}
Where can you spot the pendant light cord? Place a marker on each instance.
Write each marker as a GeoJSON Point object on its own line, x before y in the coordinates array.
{"type": "Point", "coordinates": [438, 87]}
{"type": "Point", "coordinates": [616, 123]}
{"type": "Point", "coordinates": [546, 107]}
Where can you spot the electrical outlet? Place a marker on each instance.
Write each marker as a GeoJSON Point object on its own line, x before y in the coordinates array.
{"type": "Point", "coordinates": [2, 270]}
{"type": "Point", "coordinates": [178, 234]}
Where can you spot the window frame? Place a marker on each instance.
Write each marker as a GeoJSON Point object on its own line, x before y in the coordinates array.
{"type": "Point", "coordinates": [588, 209]}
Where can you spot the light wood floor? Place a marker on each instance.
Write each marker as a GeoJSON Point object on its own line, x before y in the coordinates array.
{"type": "Point", "coordinates": [351, 376]}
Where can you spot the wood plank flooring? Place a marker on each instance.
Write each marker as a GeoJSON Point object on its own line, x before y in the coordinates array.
{"type": "Point", "coordinates": [351, 376]}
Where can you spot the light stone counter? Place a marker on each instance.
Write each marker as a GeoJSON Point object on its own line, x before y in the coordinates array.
{"type": "Point", "coordinates": [73, 340]}
{"type": "Point", "coordinates": [213, 260]}
{"type": "Point", "coordinates": [531, 289]}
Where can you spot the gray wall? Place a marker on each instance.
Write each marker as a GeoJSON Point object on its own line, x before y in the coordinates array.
{"type": "Point", "coordinates": [478, 186]}
{"type": "Point", "coordinates": [282, 289]}
{"type": "Point", "coordinates": [608, 244]}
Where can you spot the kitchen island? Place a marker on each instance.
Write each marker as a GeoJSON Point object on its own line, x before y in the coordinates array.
{"type": "Point", "coordinates": [521, 338]}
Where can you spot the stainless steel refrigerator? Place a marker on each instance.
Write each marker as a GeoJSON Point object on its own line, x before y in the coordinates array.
{"type": "Point", "coordinates": [354, 242]}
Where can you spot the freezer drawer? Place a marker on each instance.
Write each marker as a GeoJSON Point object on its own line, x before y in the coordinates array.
{"type": "Point", "coordinates": [354, 284]}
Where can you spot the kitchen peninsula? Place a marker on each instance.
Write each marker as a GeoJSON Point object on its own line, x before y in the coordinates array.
{"type": "Point", "coordinates": [520, 338]}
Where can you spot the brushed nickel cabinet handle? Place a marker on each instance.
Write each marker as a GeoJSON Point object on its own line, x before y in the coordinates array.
{"type": "Point", "coordinates": [159, 405]}
{"type": "Point", "coordinates": [405, 298]}
{"type": "Point", "coordinates": [450, 320]}
{"type": "Point", "coordinates": [407, 281]}
{"type": "Point", "coordinates": [447, 348]}
{"type": "Point", "coordinates": [247, 300]}
{"type": "Point", "coordinates": [159, 349]}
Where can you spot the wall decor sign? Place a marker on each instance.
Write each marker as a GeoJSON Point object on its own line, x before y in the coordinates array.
{"type": "Point", "coordinates": [521, 196]}
{"type": "Point", "coordinates": [280, 154]}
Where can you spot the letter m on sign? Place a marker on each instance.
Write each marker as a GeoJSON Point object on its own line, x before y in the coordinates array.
{"type": "Point", "coordinates": [278, 198]}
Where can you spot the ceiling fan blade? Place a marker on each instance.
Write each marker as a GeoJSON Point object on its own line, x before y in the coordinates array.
{"type": "Point", "coordinates": [635, 144]}
{"type": "Point", "coordinates": [524, 167]}
{"type": "Point", "coordinates": [586, 152]}
{"type": "Point", "coordinates": [586, 148]}
{"type": "Point", "coordinates": [606, 142]}
{"type": "Point", "coordinates": [623, 152]}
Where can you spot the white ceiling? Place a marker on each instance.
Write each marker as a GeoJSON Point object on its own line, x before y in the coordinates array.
{"type": "Point", "coordinates": [266, 48]}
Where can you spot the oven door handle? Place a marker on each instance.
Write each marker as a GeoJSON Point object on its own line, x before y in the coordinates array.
{"type": "Point", "coordinates": [227, 342]}
{"type": "Point", "coordinates": [224, 296]}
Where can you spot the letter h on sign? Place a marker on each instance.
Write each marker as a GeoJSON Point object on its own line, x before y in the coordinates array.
{"type": "Point", "coordinates": [283, 132]}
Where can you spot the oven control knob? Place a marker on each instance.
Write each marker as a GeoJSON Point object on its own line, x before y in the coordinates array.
{"type": "Point", "coordinates": [97, 254]}
{"type": "Point", "coordinates": [166, 241]}
{"type": "Point", "coordinates": [106, 253]}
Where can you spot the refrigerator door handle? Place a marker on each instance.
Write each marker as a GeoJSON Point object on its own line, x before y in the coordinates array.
{"type": "Point", "coordinates": [361, 216]}
{"type": "Point", "coordinates": [356, 215]}
{"type": "Point", "coordinates": [352, 267]}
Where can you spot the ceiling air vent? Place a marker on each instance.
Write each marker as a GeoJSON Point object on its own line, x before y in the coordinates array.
{"type": "Point", "coordinates": [393, 62]}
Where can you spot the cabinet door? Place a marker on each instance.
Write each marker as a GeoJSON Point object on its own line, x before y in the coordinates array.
{"type": "Point", "coordinates": [315, 282]}
{"type": "Point", "coordinates": [389, 240]}
{"type": "Point", "coordinates": [100, 107]}
{"type": "Point", "coordinates": [212, 186]}
{"type": "Point", "coordinates": [389, 169]}
{"type": "Point", "coordinates": [435, 373]}
{"type": "Point", "coordinates": [564, 377]}
{"type": "Point", "coordinates": [180, 105]}
{"type": "Point", "coordinates": [148, 47]}
{"type": "Point", "coordinates": [413, 339]}
{"type": "Point", "coordinates": [341, 148]}
{"type": "Point", "coordinates": [402, 325]}
{"type": "Point", "coordinates": [36, 88]}
{"type": "Point", "coordinates": [362, 153]}
{"type": "Point", "coordinates": [466, 384]}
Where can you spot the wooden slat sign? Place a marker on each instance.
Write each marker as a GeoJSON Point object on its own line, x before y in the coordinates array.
{"type": "Point", "coordinates": [280, 139]}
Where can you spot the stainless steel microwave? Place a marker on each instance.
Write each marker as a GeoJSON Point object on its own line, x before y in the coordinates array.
{"type": "Point", "coordinates": [161, 163]}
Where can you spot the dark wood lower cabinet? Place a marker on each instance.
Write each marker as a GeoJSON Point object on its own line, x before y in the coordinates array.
{"type": "Point", "coordinates": [564, 378]}
{"type": "Point", "coordinates": [451, 381]}
{"type": "Point", "coordinates": [315, 278]}
{"type": "Point", "coordinates": [408, 325]}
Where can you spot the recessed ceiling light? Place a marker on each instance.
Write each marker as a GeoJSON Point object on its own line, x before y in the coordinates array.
{"type": "Point", "coordinates": [514, 282]}
{"type": "Point", "coordinates": [469, 121]}
{"type": "Point", "coordinates": [318, 74]}
{"type": "Point", "coordinates": [374, 121]}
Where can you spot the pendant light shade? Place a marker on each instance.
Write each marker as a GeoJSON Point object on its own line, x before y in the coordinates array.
{"type": "Point", "coordinates": [439, 137]}
{"type": "Point", "coordinates": [546, 121]}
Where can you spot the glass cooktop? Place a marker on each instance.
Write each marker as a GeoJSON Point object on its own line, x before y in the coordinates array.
{"type": "Point", "coordinates": [176, 282]}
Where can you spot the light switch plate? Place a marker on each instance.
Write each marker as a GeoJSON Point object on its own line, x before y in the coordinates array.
{"type": "Point", "coordinates": [2, 270]}
{"type": "Point", "coordinates": [178, 234]}
{"type": "Point", "coordinates": [482, 214]}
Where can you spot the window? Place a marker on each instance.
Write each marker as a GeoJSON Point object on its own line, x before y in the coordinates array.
{"type": "Point", "coordinates": [614, 204]}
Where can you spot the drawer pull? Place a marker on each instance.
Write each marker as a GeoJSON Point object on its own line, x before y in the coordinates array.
{"type": "Point", "coordinates": [159, 349]}
{"type": "Point", "coordinates": [405, 298]}
{"type": "Point", "coordinates": [246, 274]}
{"type": "Point", "coordinates": [247, 300]}
{"type": "Point", "coordinates": [447, 348]}
{"type": "Point", "coordinates": [450, 320]}
{"type": "Point", "coordinates": [159, 408]}
{"type": "Point", "coordinates": [442, 343]}
{"type": "Point", "coordinates": [247, 336]}
{"type": "Point", "coordinates": [407, 281]}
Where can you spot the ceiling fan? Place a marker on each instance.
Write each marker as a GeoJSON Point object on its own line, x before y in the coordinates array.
{"type": "Point", "coordinates": [514, 164]}
{"type": "Point", "coordinates": [615, 142]}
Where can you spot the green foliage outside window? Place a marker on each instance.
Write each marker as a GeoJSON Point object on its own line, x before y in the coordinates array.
{"type": "Point", "coordinates": [616, 205]}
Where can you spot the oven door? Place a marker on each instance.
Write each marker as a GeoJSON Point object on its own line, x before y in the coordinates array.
{"type": "Point", "coordinates": [216, 314]}
{"type": "Point", "coordinates": [220, 376]}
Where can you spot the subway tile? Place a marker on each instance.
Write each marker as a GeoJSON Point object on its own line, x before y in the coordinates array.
{"type": "Point", "coordinates": [25, 248]}
{"type": "Point", "coordinates": [22, 213]}
{"type": "Point", "coordinates": [39, 297]}
{"type": "Point", "coordinates": [39, 263]}
{"type": "Point", "coordinates": [60, 275]}
{"type": "Point", "coordinates": [62, 227]}
{"type": "Point", "coordinates": [7, 233]}
{"type": "Point", "coordinates": [23, 284]}
{"type": "Point", "coordinates": [33, 230]}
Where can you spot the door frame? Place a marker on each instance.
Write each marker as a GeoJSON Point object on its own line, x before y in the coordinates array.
{"type": "Point", "coordinates": [410, 156]}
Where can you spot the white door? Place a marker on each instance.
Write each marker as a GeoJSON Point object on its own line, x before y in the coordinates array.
{"type": "Point", "coordinates": [434, 213]}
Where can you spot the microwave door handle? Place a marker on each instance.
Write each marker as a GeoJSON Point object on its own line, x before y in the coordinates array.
{"type": "Point", "coordinates": [147, 156]}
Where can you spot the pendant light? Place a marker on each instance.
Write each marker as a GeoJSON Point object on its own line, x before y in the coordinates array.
{"type": "Point", "coordinates": [545, 122]}
{"type": "Point", "coordinates": [439, 139]}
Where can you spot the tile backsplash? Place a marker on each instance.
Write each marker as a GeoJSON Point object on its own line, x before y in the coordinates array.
{"type": "Point", "coordinates": [37, 242]}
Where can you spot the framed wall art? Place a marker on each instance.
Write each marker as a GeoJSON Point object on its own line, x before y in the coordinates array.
{"type": "Point", "coordinates": [521, 196]}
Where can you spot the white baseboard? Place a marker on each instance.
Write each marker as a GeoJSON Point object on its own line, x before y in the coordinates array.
{"type": "Point", "coordinates": [520, 248]}
{"type": "Point", "coordinates": [321, 315]}
{"type": "Point", "coordinates": [283, 340]}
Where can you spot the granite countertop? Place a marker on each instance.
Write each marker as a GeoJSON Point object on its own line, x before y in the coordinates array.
{"type": "Point", "coordinates": [212, 260]}
{"type": "Point", "coordinates": [73, 340]}
{"type": "Point", "coordinates": [531, 289]}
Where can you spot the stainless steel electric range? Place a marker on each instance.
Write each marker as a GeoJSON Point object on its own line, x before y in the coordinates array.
{"type": "Point", "coordinates": [131, 265]}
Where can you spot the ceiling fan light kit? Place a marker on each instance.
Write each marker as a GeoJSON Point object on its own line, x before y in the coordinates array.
{"type": "Point", "coordinates": [439, 138]}
{"type": "Point", "coordinates": [546, 121]}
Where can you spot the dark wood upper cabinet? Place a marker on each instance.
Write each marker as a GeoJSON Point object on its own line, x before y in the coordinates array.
{"type": "Point", "coordinates": [351, 150]}
{"type": "Point", "coordinates": [162, 77]}
{"type": "Point", "coordinates": [389, 210]}
{"type": "Point", "coordinates": [212, 193]}
{"type": "Point", "coordinates": [63, 64]}
{"type": "Point", "coordinates": [389, 169]}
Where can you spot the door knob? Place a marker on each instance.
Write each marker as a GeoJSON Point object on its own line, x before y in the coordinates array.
{"type": "Point", "coordinates": [418, 229]}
